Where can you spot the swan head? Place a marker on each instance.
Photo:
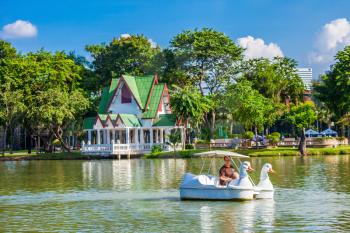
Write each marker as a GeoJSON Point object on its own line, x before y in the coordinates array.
{"type": "Point", "coordinates": [267, 168]}
{"type": "Point", "coordinates": [246, 166]}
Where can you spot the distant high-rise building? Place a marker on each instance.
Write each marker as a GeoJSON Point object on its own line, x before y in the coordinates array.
{"type": "Point", "coordinates": [306, 75]}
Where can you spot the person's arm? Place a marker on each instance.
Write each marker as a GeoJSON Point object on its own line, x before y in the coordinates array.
{"type": "Point", "coordinates": [223, 177]}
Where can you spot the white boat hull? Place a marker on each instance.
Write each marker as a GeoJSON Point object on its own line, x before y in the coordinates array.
{"type": "Point", "coordinates": [204, 187]}
{"type": "Point", "coordinates": [215, 193]}
{"type": "Point", "coordinates": [265, 194]}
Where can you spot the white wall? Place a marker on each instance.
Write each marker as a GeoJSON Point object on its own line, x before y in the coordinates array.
{"type": "Point", "coordinates": [98, 124]}
{"type": "Point", "coordinates": [117, 106]}
{"type": "Point", "coordinates": [147, 122]}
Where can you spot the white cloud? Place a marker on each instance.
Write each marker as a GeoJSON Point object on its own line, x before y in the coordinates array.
{"type": "Point", "coordinates": [256, 48]}
{"type": "Point", "coordinates": [333, 37]}
{"type": "Point", "coordinates": [153, 43]}
{"type": "Point", "coordinates": [125, 35]}
{"type": "Point", "coordinates": [19, 29]}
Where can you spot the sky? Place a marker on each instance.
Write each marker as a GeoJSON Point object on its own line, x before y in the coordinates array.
{"type": "Point", "coordinates": [310, 31]}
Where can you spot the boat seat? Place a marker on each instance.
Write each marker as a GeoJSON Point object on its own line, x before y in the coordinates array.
{"type": "Point", "coordinates": [206, 180]}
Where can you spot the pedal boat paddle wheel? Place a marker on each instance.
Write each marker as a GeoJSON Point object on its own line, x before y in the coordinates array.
{"type": "Point", "coordinates": [207, 187]}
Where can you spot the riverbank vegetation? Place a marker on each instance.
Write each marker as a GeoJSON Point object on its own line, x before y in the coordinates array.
{"type": "Point", "coordinates": [72, 155]}
{"type": "Point", "coordinates": [188, 153]}
{"type": "Point", "coordinates": [213, 88]}
{"type": "Point", "coordinates": [271, 152]}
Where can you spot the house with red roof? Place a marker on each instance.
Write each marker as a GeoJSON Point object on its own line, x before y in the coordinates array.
{"type": "Point", "coordinates": [134, 115]}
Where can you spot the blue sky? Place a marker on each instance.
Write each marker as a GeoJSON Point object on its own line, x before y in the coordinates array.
{"type": "Point", "coordinates": [297, 29]}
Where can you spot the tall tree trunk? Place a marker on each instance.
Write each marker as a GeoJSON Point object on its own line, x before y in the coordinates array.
{"type": "Point", "coordinates": [302, 143]}
{"type": "Point", "coordinates": [4, 142]}
{"type": "Point", "coordinates": [256, 137]}
{"type": "Point", "coordinates": [29, 137]}
{"type": "Point", "coordinates": [212, 124]}
{"type": "Point", "coordinates": [11, 139]}
{"type": "Point", "coordinates": [184, 135]}
{"type": "Point", "coordinates": [342, 130]}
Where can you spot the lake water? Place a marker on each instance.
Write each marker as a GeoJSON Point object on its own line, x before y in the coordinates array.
{"type": "Point", "coordinates": [139, 195]}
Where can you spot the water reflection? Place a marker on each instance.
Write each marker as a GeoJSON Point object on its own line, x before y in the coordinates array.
{"type": "Point", "coordinates": [206, 219]}
{"type": "Point", "coordinates": [313, 194]}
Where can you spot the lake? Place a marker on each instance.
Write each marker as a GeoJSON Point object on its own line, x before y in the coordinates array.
{"type": "Point", "coordinates": [140, 195]}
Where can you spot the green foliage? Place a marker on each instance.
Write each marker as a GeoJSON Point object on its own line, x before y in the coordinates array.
{"type": "Point", "coordinates": [174, 138]}
{"type": "Point", "coordinates": [56, 142]}
{"type": "Point", "coordinates": [156, 149]}
{"type": "Point", "coordinates": [274, 138]}
{"type": "Point", "coordinates": [206, 59]}
{"type": "Point", "coordinates": [206, 56]}
{"type": "Point", "coordinates": [189, 147]}
{"type": "Point", "coordinates": [302, 115]}
{"type": "Point", "coordinates": [334, 89]}
{"type": "Point", "coordinates": [276, 134]}
{"type": "Point", "coordinates": [133, 55]}
{"type": "Point", "coordinates": [47, 85]}
{"type": "Point", "coordinates": [248, 106]}
{"type": "Point", "coordinates": [235, 135]}
{"type": "Point", "coordinates": [189, 105]}
{"type": "Point", "coordinates": [248, 135]}
{"type": "Point", "coordinates": [276, 79]}
{"type": "Point", "coordinates": [200, 141]}
{"type": "Point", "coordinates": [7, 51]}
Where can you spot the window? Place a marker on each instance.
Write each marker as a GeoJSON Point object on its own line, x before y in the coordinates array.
{"type": "Point", "coordinates": [126, 95]}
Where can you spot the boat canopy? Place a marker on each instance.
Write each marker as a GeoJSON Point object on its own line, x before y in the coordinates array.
{"type": "Point", "coordinates": [220, 154]}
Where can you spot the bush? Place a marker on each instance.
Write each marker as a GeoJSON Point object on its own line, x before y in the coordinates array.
{"type": "Point", "coordinates": [156, 149]}
{"type": "Point", "coordinates": [341, 138]}
{"type": "Point", "coordinates": [189, 147]}
{"type": "Point", "coordinates": [248, 135]}
{"type": "Point", "coordinates": [56, 142]}
{"type": "Point", "coordinates": [274, 138]}
{"type": "Point", "coordinates": [200, 141]}
{"type": "Point", "coordinates": [235, 135]}
{"type": "Point", "coordinates": [276, 134]}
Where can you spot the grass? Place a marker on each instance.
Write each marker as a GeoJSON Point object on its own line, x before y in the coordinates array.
{"type": "Point", "coordinates": [170, 154]}
{"type": "Point", "coordinates": [23, 155]}
{"type": "Point", "coordinates": [281, 151]}
{"type": "Point", "coordinates": [76, 155]}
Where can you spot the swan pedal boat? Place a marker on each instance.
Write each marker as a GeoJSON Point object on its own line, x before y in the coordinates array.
{"type": "Point", "coordinates": [207, 187]}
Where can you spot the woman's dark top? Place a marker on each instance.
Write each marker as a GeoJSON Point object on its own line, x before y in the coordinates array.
{"type": "Point", "coordinates": [227, 172]}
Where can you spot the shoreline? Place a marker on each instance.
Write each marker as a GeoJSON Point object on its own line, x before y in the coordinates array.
{"type": "Point", "coordinates": [272, 152]}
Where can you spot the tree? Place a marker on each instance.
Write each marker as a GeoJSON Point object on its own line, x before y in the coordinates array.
{"type": "Point", "coordinates": [133, 55]}
{"type": "Point", "coordinates": [11, 109]}
{"type": "Point", "coordinates": [56, 109]}
{"type": "Point", "coordinates": [10, 98]}
{"type": "Point", "coordinates": [249, 107]}
{"type": "Point", "coordinates": [276, 79]}
{"type": "Point", "coordinates": [7, 51]}
{"type": "Point", "coordinates": [209, 60]}
{"type": "Point", "coordinates": [189, 105]}
{"type": "Point", "coordinates": [174, 139]}
{"type": "Point", "coordinates": [333, 91]}
{"type": "Point", "coordinates": [302, 116]}
{"type": "Point", "coordinates": [49, 85]}
{"type": "Point", "coordinates": [168, 66]}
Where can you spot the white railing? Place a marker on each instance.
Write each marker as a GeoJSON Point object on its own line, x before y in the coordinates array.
{"type": "Point", "coordinates": [103, 149]}
{"type": "Point", "coordinates": [120, 149]}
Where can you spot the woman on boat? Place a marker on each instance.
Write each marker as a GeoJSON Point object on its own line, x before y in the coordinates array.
{"type": "Point", "coordinates": [227, 173]}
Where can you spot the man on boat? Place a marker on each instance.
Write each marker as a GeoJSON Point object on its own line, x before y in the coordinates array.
{"type": "Point", "coordinates": [227, 173]}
